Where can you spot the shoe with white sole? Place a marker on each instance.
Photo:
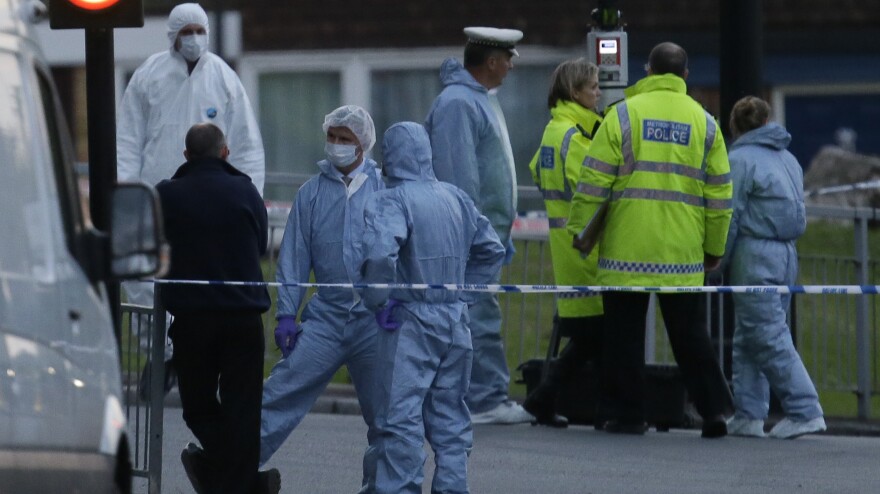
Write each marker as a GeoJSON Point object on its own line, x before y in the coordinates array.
{"type": "Point", "coordinates": [790, 429]}
{"type": "Point", "coordinates": [509, 412]}
{"type": "Point", "coordinates": [740, 426]}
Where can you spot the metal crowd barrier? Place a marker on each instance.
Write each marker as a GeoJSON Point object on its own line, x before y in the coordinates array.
{"type": "Point", "coordinates": [143, 346]}
{"type": "Point", "coordinates": [835, 328]}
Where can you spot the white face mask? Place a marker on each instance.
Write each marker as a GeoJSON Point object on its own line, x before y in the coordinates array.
{"type": "Point", "coordinates": [340, 155]}
{"type": "Point", "coordinates": [193, 46]}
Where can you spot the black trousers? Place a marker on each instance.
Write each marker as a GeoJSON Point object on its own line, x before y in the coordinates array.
{"type": "Point", "coordinates": [222, 351]}
{"type": "Point", "coordinates": [623, 368]}
{"type": "Point", "coordinates": [584, 344]}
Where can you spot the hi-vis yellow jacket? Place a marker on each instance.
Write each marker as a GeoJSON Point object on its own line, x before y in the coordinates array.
{"type": "Point", "coordinates": [556, 168]}
{"type": "Point", "coordinates": [661, 160]}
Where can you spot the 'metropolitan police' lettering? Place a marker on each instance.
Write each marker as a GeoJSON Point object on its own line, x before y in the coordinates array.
{"type": "Point", "coordinates": [663, 131]}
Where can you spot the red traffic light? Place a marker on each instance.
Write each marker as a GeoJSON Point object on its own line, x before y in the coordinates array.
{"type": "Point", "coordinates": [77, 14]}
{"type": "Point", "coordinates": [94, 4]}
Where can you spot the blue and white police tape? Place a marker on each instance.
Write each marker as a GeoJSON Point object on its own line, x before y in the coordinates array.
{"type": "Point", "coordinates": [465, 287]}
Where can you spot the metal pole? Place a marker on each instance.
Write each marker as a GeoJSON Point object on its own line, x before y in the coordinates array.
{"type": "Point", "coordinates": [651, 330]}
{"type": "Point", "coordinates": [863, 336]}
{"type": "Point", "coordinates": [218, 30]}
{"type": "Point", "coordinates": [101, 121]}
{"type": "Point", "coordinates": [157, 393]}
{"type": "Point", "coordinates": [741, 53]}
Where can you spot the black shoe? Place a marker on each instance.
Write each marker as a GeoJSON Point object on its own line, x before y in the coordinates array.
{"type": "Point", "coordinates": [615, 426]}
{"type": "Point", "coordinates": [269, 481]}
{"type": "Point", "coordinates": [541, 403]}
{"type": "Point", "coordinates": [191, 459]}
{"type": "Point", "coordinates": [552, 420]}
{"type": "Point", "coordinates": [714, 428]}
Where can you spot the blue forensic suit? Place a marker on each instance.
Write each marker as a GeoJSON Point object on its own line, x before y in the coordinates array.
{"type": "Point", "coordinates": [471, 150]}
{"type": "Point", "coordinates": [768, 217]}
{"type": "Point", "coordinates": [421, 230]}
{"type": "Point", "coordinates": [323, 235]}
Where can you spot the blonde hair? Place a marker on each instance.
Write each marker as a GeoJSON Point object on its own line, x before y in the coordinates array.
{"type": "Point", "coordinates": [568, 77]}
{"type": "Point", "coordinates": [749, 113]}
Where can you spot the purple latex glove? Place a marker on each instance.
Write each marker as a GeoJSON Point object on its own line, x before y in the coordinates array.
{"type": "Point", "coordinates": [385, 318]}
{"type": "Point", "coordinates": [509, 251]}
{"type": "Point", "coordinates": [286, 334]}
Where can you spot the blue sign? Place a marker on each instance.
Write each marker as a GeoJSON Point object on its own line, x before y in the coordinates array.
{"type": "Point", "coordinates": [548, 157]}
{"type": "Point", "coordinates": [211, 112]}
{"type": "Point", "coordinates": [669, 132]}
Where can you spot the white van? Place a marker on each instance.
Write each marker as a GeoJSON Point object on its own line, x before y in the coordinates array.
{"type": "Point", "coordinates": [62, 427]}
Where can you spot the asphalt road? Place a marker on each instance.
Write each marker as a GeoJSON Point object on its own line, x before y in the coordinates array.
{"type": "Point", "coordinates": [324, 456]}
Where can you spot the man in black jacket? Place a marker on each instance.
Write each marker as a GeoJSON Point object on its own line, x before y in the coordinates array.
{"type": "Point", "coordinates": [216, 225]}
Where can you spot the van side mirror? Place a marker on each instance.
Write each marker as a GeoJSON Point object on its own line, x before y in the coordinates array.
{"type": "Point", "coordinates": [137, 241]}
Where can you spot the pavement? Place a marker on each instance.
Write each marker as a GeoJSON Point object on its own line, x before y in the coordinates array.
{"type": "Point", "coordinates": [323, 456]}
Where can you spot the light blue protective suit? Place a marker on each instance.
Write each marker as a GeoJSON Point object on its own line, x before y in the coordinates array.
{"type": "Point", "coordinates": [768, 216]}
{"type": "Point", "coordinates": [323, 235]}
{"type": "Point", "coordinates": [471, 152]}
{"type": "Point", "coordinates": [421, 230]}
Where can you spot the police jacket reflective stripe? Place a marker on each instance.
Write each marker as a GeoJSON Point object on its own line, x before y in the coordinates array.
{"type": "Point", "coordinates": [555, 168]}
{"type": "Point", "coordinates": [660, 159]}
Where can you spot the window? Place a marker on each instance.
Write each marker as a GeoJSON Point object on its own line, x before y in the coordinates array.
{"type": "Point", "coordinates": [401, 95]}
{"type": "Point", "coordinates": [296, 90]}
{"type": "Point", "coordinates": [291, 108]}
{"type": "Point", "coordinates": [60, 150]}
{"type": "Point", "coordinates": [26, 239]}
{"type": "Point", "coordinates": [523, 99]}
{"type": "Point", "coordinates": [408, 94]}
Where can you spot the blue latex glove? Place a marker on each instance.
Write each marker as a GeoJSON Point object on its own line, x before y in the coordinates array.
{"type": "Point", "coordinates": [385, 318]}
{"type": "Point", "coordinates": [286, 334]}
{"type": "Point", "coordinates": [509, 252]}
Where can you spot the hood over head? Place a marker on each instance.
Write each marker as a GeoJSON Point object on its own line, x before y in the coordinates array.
{"type": "Point", "coordinates": [453, 72]}
{"type": "Point", "coordinates": [183, 15]}
{"type": "Point", "coordinates": [407, 153]}
{"type": "Point", "coordinates": [771, 135]}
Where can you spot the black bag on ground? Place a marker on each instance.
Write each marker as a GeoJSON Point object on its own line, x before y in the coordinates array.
{"type": "Point", "coordinates": [665, 394]}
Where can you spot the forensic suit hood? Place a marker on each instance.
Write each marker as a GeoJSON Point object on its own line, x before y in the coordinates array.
{"type": "Point", "coordinates": [184, 15]}
{"type": "Point", "coordinates": [407, 152]}
{"type": "Point", "coordinates": [771, 135]}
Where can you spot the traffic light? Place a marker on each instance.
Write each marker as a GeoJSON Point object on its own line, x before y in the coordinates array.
{"type": "Point", "coordinates": [77, 14]}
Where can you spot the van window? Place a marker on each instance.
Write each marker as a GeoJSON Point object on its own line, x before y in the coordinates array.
{"type": "Point", "coordinates": [25, 240]}
{"type": "Point", "coordinates": [61, 156]}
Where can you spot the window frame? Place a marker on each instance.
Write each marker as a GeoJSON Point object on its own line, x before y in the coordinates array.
{"type": "Point", "coordinates": [355, 68]}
